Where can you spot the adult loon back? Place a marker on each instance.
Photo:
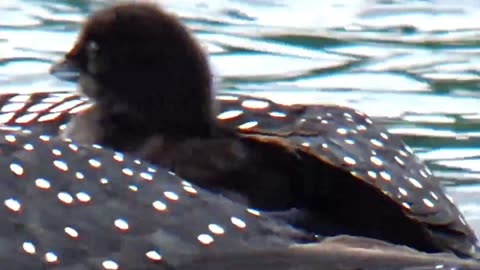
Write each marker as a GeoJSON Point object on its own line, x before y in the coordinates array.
{"type": "Point", "coordinates": [66, 206]}
{"type": "Point", "coordinates": [49, 112]}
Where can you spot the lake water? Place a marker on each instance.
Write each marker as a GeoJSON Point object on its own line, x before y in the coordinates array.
{"type": "Point", "coordinates": [412, 65]}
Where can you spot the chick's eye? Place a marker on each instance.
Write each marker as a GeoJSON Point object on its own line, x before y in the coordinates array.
{"type": "Point", "coordinates": [92, 48]}
{"type": "Point", "coordinates": [96, 62]}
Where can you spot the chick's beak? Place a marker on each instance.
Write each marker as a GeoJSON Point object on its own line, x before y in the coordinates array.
{"type": "Point", "coordinates": [66, 70]}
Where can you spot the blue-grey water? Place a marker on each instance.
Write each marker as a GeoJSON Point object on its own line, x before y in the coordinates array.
{"type": "Point", "coordinates": [412, 65]}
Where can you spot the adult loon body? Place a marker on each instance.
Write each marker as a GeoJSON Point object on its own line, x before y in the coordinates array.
{"type": "Point", "coordinates": [152, 93]}
{"type": "Point", "coordinates": [66, 206]}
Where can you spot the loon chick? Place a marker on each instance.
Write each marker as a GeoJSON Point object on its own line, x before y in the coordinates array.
{"type": "Point", "coordinates": [152, 91]}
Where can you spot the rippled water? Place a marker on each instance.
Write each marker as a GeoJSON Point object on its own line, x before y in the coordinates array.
{"type": "Point", "coordinates": [413, 65]}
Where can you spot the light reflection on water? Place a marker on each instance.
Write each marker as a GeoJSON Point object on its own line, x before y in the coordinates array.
{"type": "Point", "coordinates": [413, 65]}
